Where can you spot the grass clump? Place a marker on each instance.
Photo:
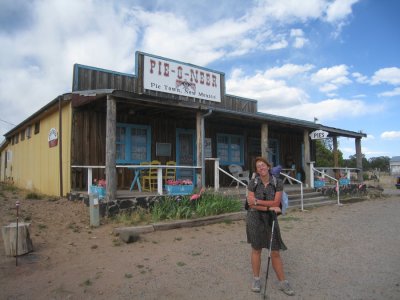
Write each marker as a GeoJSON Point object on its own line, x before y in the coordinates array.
{"type": "Point", "coordinates": [180, 208]}
{"type": "Point", "coordinates": [33, 195]}
{"type": "Point", "coordinates": [209, 204]}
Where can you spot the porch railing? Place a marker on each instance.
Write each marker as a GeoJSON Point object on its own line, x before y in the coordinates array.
{"type": "Point", "coordinates": [337, 182]}
{"type": "Point", "coordinates": [159, 172]}
{"type": "Point", "coordinates": [218, 169]}
{"type": "Point", "coordinates": [301, 188]}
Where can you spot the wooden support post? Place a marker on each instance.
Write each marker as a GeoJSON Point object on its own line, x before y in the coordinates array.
{"type": "Point", "coordinates": [336, 157]}
{"type": "Point", "coordinates": [111, 171]}
{"type": "Point", "coordinates": [359, 160]}
{"type": "Point", "coordinates": [9, 234]}
{"type": "Point", "coordinates": [264, 141]}
{"type": "Point", "coordinates": [309, 179]}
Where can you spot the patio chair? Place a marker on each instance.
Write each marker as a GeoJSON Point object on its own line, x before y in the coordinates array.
{"type": "Point", "coordinates": [238, 173]}
{"type": "Point", "coordinates": [170, 173]}
{"type": "Point", "coordinates": [150, 179]}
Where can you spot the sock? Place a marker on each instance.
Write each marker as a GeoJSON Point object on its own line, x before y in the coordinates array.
{"type": "Point", "coordinates": [256, 278]}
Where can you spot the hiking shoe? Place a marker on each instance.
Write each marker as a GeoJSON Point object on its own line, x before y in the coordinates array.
{"type": "Point", "coordinates": [285, 287]}
{"type": "Point", "coordinates": [256, 287]}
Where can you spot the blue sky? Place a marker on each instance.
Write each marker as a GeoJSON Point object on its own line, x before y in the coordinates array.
{"type": "Point", "coordinates": [337, 61]}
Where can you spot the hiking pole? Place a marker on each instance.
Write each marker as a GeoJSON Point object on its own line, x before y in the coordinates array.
{"type": "Point", "coordinates": [269, 250]}
{"type": "Point", "coordinates": [16, 242]}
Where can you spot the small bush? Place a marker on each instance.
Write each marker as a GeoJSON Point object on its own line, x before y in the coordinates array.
{"type": "Point", "coordinates": [181, 207]}
{"type": "Point", "coordinates": [33, 196]}
{"type": "Point", "coordinates": [209, 204]}
{"type": "Point", "coordinates": [139, 216]}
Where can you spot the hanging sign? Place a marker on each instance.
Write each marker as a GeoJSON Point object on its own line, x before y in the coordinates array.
{"type": "Point", "coordinates": [53, 137]}
{"type": "Point", "coordinates": [319, 135]}
{"type": "Point", "coordinates": [177, 78]}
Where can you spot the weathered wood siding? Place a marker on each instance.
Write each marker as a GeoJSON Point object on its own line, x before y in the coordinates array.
{"type": "Point", "coordinates": [289, 144]}
{"type": "Point", "coordinates": [87, 78]}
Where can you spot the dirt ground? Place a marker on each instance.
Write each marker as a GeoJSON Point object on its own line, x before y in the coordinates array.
{"type": "Point", "coordinates": [335, 252]}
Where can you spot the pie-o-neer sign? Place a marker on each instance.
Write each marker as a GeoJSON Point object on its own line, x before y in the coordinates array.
{"type": "Point", "coordinates": [181, 79]}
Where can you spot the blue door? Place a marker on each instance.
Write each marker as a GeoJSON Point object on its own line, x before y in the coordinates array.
{"type": "Point", "coordinates": [185, 153]}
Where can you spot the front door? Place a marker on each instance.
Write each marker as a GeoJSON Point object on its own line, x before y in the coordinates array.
{"type": "Point", "coordinates": [186, 153]}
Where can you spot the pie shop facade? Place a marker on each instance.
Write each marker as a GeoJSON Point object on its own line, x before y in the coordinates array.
{"type": "Point", "coordinates": [167, 111]}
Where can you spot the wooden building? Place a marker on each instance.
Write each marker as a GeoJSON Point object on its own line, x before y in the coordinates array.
{"type": "Point", "coordinates": [167, 111]}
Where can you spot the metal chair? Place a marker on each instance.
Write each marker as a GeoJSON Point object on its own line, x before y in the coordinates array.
{"type": "Point", "coordinates": [238, 173]}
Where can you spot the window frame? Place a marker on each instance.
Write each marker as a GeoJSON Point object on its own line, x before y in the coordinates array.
{"type": "Point", "coordinates": [229, 137]}
{"type": "Point", "coordinates": [128, 143]}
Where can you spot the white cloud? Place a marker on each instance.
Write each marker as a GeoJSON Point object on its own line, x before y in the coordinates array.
{"type": "Point", "coordinates": [277, 45]}
{"type": "Point", "coordinates": [360, 78]}
{"type": "Point", "coordinates": [269, 92]}
{"type": "Point", "coordinates": [339, 9]}
{"type": "Point", "coordinates": [329, 74]}
{"type": "Point", "coordinates": [387, 75]}
{"type": "Point", "coordinates": [390, 135]}
{"type": "Point", "coordinates": [331, 78]}
{"type": "Point", "coordinates": [287, 70]}
{"type": "Point", "coordinates": [330, 109]}
{"type": "Point", "coordinates": [392, 93]}
{"type": "Point", "coordinates": [328, 87]}
{"type": "Point", "coordinates": [299, 39]}
{"type": "Point", "coordinates": [40, 57]}
{"type": "Point", "coordinates": [290, 10]}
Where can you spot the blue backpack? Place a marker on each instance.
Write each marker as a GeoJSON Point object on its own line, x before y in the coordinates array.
{"type": "Point", "coordinates": [284, 200]}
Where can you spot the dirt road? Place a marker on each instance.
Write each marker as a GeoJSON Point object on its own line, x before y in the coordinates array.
{"type": "Point", "coordinates": [347, 252]}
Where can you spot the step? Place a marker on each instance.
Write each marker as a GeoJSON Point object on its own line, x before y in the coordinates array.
{"type": "Point", "coordinates": [313, 204]}
{"type": "Point", "coordinates": [306, 200]}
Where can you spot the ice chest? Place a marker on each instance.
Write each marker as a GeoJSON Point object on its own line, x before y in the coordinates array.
{"type": "Point", "coordinates": [179, 189]}
{"type": "Point", "coordinates": [100, 190]}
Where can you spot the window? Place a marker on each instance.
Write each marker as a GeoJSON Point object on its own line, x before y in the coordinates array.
{"type": "Point", "coordinates": [230, 149]}
{"type": "Point", "coordinates": [37, 127]}
{"type": "Point", "coordinates": [133, 143]}
{"type": "Point", "coordinates": [22, 135]}
{"type": "Point", "coordinates": [28, 132]}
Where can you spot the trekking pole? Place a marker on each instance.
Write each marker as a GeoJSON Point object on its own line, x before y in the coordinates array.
{"type": "Point", "coordinates": [16, 242]}
{"type": "Point", "coordinates": [269, 250]}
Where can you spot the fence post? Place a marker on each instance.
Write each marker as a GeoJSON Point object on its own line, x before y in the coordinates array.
{"type": "Point", "coordinates": [216, 174]}
{"type": "Point", "coordinates": [312, 174]}
{"type": "Point", "coordinates": [89, 179]}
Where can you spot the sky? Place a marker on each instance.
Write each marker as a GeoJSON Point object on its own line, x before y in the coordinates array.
{"type": "Point", "coordinates": [333, 61]}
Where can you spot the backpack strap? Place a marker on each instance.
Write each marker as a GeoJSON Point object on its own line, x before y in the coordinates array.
{"type": "Point", "coordinates": [274, 180]}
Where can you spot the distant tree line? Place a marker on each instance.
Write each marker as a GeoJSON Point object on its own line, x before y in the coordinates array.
{"type": "Point", "coordinates": [324, 158]}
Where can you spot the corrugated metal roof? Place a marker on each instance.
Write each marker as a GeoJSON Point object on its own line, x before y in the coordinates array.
{"type": "Point", "coordinates": [395, 159]}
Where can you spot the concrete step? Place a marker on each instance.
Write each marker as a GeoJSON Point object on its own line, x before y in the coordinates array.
{"type": "Point", "coordinates": [311, 201]}
{"type": "Point", "coordinates": [313, 204]}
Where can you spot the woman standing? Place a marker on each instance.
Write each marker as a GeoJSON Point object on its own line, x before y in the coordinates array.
{"type": "Point", "coordinates": [264, 196]}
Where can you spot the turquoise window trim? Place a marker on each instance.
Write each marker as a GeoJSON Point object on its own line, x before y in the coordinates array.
{"type": "Point", "coordinates": [229, 137]}
{"type": "Point", "coordinates": [128, 143]}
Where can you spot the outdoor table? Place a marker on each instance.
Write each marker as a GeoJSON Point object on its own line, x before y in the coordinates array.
{"type": "Point", "coordinates": [136, 179]}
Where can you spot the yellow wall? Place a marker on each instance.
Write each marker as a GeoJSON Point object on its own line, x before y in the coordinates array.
{"type": "Point", "coordinates": [35, 166]}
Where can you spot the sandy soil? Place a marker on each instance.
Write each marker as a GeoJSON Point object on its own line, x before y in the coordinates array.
{"type": "Point", "coordinates": [347, 252]}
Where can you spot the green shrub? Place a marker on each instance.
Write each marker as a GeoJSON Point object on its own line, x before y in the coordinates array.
{"type": "Point", "coordinates": [209, 204]}
{"type": "Point", "coordinates": [33, 196]}
{"type": "Point", "coordinates": [139, 216]}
